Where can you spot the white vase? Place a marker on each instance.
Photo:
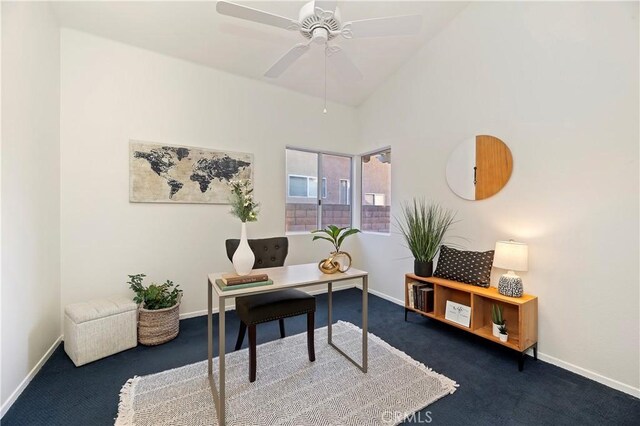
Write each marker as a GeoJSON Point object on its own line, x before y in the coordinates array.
{"type": "Point", "coordinates": [243, 258]}
{"type": "Point", "coordinates": [504, 337]}
{"type": "Point", "coordinates": [496, 331]}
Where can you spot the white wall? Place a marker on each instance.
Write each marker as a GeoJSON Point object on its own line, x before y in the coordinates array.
{"type": "Point", "coordinates": [30, 191]}
{"type": "Point", "coordinates": [558, 82]}
{"type": "Point", "coordinates": [110, 93]}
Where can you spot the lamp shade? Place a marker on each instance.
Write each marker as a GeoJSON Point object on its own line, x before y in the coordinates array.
{"type": "Point", "coordinates": [511, 255]}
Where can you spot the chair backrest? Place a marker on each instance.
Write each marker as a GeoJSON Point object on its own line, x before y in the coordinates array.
{"type": "Point", "coordinates": [269, 252]}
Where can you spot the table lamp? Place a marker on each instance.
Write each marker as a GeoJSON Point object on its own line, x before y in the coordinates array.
{"type": "Point", "coordinates": [512, 256]}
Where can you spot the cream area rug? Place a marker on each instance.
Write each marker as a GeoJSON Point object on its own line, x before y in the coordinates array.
{"type": "Point", "coordinates": [290, 390]}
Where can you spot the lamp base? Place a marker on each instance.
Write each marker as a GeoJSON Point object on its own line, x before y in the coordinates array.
{"type": "Point", "coordinates": [510, 285]}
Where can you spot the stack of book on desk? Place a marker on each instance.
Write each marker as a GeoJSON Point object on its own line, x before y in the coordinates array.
{"type": "Point", "coordinates": [235, 282]}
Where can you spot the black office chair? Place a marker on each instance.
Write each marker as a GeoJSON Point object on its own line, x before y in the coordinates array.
{"type": "Point", "coordinates": [277, 305]}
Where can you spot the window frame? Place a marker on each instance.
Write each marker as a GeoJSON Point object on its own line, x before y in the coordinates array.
{"type": "Point", "coordinates": [321, 195]}
{"type": "Point", "coordinates": [362, 193]}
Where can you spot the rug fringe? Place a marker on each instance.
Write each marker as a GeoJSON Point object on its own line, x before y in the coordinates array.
{"type": "Point", "coordinates": [449, 384]}
{"type": "Point", "coordinates": [125, 406]}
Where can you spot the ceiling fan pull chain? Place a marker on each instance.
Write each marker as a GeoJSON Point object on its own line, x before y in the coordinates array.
{"type": "Point", "coordinates": [326, 46]}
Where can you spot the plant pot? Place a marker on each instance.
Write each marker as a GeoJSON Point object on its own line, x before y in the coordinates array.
{"type": "Point", "coordinates": [158, 326]}
{"type": "Point", "coordinates": [336, 262]}
{"type": "Point", "coordinates": [342, 259]}
{"type": "Point", "coordinates": [243, 257]}
{"type": "Point", "coordinates": [423, 269]}
{"type": "Point", "coordinates": [504, 337]}
{"type": "Point", "coordinates": [496, 331]}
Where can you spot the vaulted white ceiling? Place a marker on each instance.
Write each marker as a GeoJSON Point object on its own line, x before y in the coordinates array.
{"type": "Point", "coordinates": [196, 32]}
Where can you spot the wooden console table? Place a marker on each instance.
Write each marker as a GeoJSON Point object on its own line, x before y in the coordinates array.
{"type": "Point", "coordinates": [520, 313]}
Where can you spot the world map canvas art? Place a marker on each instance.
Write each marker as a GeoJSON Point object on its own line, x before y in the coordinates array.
{"type": "Point", "coordinates": [160, 173]}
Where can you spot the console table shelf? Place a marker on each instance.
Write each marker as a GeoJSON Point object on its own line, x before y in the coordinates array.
{"type": "Point", "coordinates": [520, 313]}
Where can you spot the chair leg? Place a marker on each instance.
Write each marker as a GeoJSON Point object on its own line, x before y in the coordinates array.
{"type": "Point", "coordinates": [241, 331]}
{"type": "Point", "coordinates": [281, 321]}
{"type": "Point", "coordinates": [252, 353]}
{"type": "Point", "coordinates": [310, 329]}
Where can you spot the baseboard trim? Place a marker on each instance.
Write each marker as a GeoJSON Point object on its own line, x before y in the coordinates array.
{"type": "Point", "coordinates": [386, 297]}
{"type": "Point", "coordinates": [194, 314]}
{"type": "Point", "coordinates": [622, 387]}
{"type": "Point", "coordinates": [16, 393]}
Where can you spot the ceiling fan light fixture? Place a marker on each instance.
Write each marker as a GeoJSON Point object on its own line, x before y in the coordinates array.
{"type": "Point", "coordinates": [320, 35]}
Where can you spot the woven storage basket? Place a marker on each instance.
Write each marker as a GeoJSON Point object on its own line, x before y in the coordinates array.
{"type": "Point", "coordinates": [158, 326]}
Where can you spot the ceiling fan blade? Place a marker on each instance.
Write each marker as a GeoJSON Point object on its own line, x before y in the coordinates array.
{"type": "Point", "coordinates": [382, 27]}
{"type": "Point", "coordinates": [287, 60]}
{"type": "Point", "coordinates": [343, 64]}
{"type": "Point", "coordinates": [255, 15]}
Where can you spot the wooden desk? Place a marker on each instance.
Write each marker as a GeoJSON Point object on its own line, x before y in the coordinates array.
{"type": "Point", "coordinates": [283, 277]}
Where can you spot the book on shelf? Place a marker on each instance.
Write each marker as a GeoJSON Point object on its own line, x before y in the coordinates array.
{"type": "Point", "coordinates": [233, 279]}
{"type": "Point", "coordinates": [426, 299]}
{"type": "Point", "coordinates": [225, 287]}
{"type": "Point", "coordinates": [413, 295]}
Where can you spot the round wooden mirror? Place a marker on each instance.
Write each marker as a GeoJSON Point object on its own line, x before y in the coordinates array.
{"type": "Point", "coordinates": [479, 167]}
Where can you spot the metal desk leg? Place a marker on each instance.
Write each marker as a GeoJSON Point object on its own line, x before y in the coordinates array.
{"type": "Point", "coordinates": [221, 353]}
{"type": "Point", "coordinates": [365, 308]}
{"type": "Point", "coordinates": [218, 397]}
{"type": "Point", "coordinates": [329, 319]}
{"type": "Point", "coordinates": [362, 366]}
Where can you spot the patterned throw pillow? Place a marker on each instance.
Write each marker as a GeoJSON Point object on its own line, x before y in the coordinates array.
{"type": "Point", "coordinates": [471, 267]}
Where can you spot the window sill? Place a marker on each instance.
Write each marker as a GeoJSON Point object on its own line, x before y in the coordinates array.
{"type": "Point", "coordinates": [376, 233]}
{"type": "Point", "coordinates": [294, 233]}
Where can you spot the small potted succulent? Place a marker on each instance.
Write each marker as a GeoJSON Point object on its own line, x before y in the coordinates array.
{"type": "Point", "coordinates": [498, 320]}
{"type": "Point", "coordinates": [338, 261]}
{"type": "Point", "coordinates": [504, 336]}
{"type": "Point", "coordinates": [158, 306]}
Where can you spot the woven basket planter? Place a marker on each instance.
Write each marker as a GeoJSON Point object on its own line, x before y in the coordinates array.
{"type": "Point", "coordinates": [156, 327]}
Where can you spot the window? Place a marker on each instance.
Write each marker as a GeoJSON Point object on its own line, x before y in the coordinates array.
{"type": "Point", "coordinates": [344, 191]}
{"type": "Point", "coordinates": [303, 186]}
{"type": "Point", "coordinates": [371, 199]}
{"type": "Point", "coordinates": [376, 191]}
{"type": "Point", "coordinates": [311, 206]}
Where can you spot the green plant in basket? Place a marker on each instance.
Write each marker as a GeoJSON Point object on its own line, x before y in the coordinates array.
{"type": "Point", "coordinates": [155, 296]}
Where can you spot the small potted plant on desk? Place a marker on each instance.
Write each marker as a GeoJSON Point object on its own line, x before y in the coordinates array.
{"type": "Point", "coordinates": [498, 320]}
{"type": "Point", "coordinates": [338, 261]}
{"type": "Point", "coordinates": [504, 336]}
{"type": "Point", "coordinates": [158, 306]}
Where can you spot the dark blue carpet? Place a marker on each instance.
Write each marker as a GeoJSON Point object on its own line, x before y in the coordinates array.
{"type": "Point", "coordinates": [492, 391]}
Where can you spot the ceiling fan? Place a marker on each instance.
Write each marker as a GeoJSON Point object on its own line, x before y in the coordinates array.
{"type": "Point", "coordinates": [319, 22]}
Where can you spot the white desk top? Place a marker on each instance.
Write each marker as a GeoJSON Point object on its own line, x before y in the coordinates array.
{"type": "Point", "coordinates": [287, 277]}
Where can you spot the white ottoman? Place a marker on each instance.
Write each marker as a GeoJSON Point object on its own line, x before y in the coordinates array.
{"type": "Point", "coordinates": [99, 328]}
